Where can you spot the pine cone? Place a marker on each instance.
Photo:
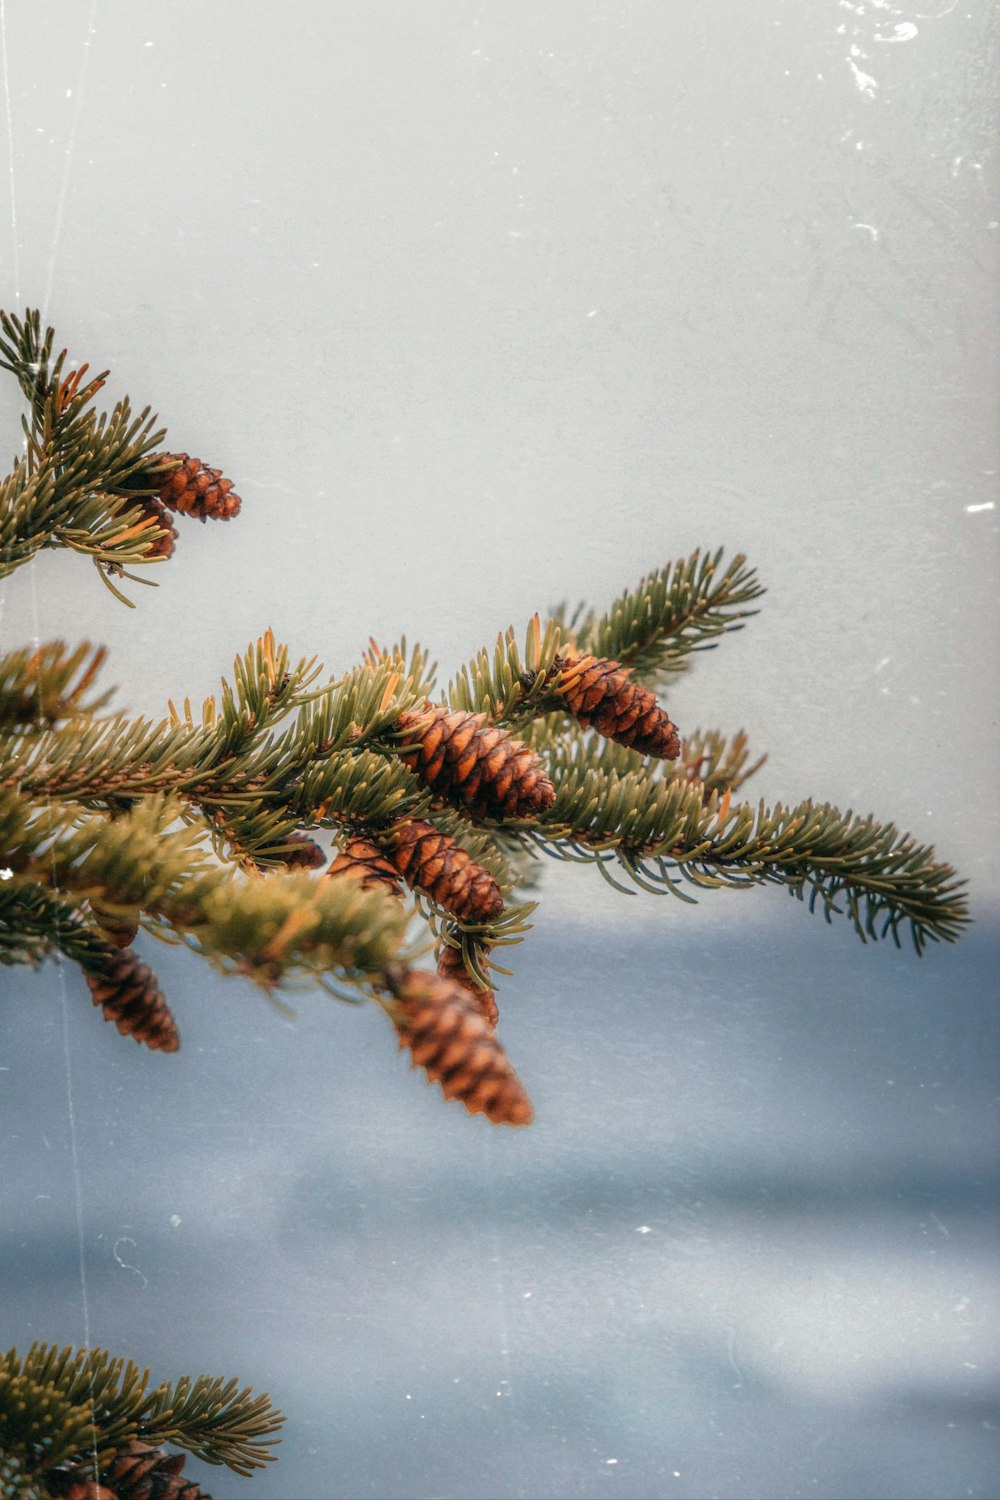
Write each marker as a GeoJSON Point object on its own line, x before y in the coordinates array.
{"type": "Point", "coordinates": [155, 510]}
{"type": "Point", "coordinates": [431, 861]}
{"type": "Point", "coordinates": [462, 755]}
{"type": "Point", "coordinates": [141, 1472]}
{"type": "Point", "coordinates": [300, 853]}
{"type": "Point", "coordinates": [363, 860]}
{"type": "Point", "coordinates": [129, 995]}
{"type": "Point", "coordinates": [442, 1025]}
{"type": "Point", "coordinates": [119, 925]}
{"type": "Point", "coordinates": [601, 695]}
{"type": "Point", "coordinates": [451, 965]}
{"type": "Point", "coordinates": [69, 1487]}
{"type": "Point", "coordinates": [196, 490]}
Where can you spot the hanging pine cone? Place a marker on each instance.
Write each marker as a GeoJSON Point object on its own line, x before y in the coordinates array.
{"type": "Point", "coordinates": [362, 859]}
{"type": "Point", "coordinates": [602, 696]}
{"type": "Point", "coordinates": [430, 861]}
{"type": "Point", "coordinates": [444, 1029]}
{"type": "Point", "coordinates": [118, 924]}
{"type": "Point", "coordinates": [194, 489]}
{"type": "Point", "coordinates": [154, 510]}
{"type": "Point", "coordinates": [464, 756]}
{"type": "Point", "coordinates": [141, 1472]}
{"type": "Point", "coordinates": [451, 965]}
{"type": "Point", "coordinates": [129, 995]}
{"type": "Point", "coordinates": [300, 853]}
{"type": "Point", "coordinates": [68, 1487]}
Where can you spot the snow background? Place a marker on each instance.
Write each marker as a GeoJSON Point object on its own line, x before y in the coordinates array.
{"type": "Point", "coordinates": [483, 308]}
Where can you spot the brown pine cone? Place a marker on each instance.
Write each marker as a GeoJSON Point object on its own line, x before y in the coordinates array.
{"type": "Point", "coordinates": [602, 696]}
{"type": "Point", "coordinates": [431, 861]}
{"type": "Point", "coordinates": [129, 995]}
{"type": "Point", "coordinates": [154, 510]}
{"type": "Point", "coordinates": [462, 755]}
{"type": "Point", "coordinates": [300, 853]}
{"type": "Point", "coordinates": [451, 965]}
{"type": "Point", "coordinates": [442, 1025]}
{"type": "Point", "coordinates": [362, 859]}
{"type": "Point", "coordinates": [67, 1487]}
{"type": "Point", "coordinates": [141, 1472]}
{"type": "Point", "coordinates": [194, 489]}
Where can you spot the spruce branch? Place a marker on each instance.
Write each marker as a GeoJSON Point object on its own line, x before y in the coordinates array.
{"type": "Point", "coordinates": [73, 1414]}
{"type": "Point", "coordinates": [37, 686]}
{"type": "Point", "coordinates": [720, 763]}
{"type": "Point", "coordinates": [662, 831]}
{"type": "Point", "coordinates": [203, 826]}
{"type": "Point", "coordinates": [684, 607]}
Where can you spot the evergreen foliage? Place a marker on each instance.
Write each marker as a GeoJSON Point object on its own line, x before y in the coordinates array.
{"type": "Point", "coordinates": [67, 1413]}
{"type": "Point", "coordinates": [201, 826]}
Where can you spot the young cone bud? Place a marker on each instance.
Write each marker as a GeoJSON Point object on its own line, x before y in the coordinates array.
{"type": "Point", "coordinates": [444, 1029]}
{"type": "Point", "coordinates": [129, 995]}
{"type": "Point", "coordinates": [451, 965]}
{"type": "Point", "coordinates": [431, 861]}
{"type": "Point", "coordinates": [463, 756]}
{"type": "Point", "coordinates": [602, 696]}
{"type": "Point", "coordinates": [362, 859]}
{"type": "Point", "coordinates": [194, 489]}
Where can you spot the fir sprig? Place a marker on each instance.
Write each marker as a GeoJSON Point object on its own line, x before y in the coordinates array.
{"type": "Point", "coordinates": [686, 606]}
{"type": "Point", "coordinates": [40, 686]}
{"type": "Point", "coordinates": [76, 483]}
{"type": "Point", "coordinates": [550, 743]}
{"type": "Point", "coordinates": [662, 832]}
{"type": "Point", "coordinates": [66, 1412]}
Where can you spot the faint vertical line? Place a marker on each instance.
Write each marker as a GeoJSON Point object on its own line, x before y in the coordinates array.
{"type": "Point", "coordinates": [70, 148]}
{"type": "Point", "coordinates": [74, 1144]}
{"type": "Point", "coordinates": [10, 148]}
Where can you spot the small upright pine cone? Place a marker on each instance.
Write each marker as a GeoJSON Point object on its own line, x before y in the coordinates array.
{"type": "Point", "coordinates": [431, 861]}
{"type": "Point", "coordinates": [363, 860]}
{"type": "Point", "coordinates": [154, 510]}
{"type": "Point", "coordinates": [194, 489]}
{"type": "Point", "coordinates": [129, 995]}
{"type": "Point", "coordinates": [300, 853]}
{"type": "Point", "coordinates": [464, 756]}
{"type": "Point", "coordinates": [602, 696]}
{"type": "Point", "coordinates": [442, 1025]}
{"type": "Point", "coordinates": [451, 965]}
{"type": "Point", "coordinates": [141, 1472]}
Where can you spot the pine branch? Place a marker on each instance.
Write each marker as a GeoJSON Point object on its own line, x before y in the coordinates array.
{"type": "Point", "coordinates": [686, 606]}
{"type": "Point", "coordinates": [200, 825]}
{"type": "Point", "coordinates": [661, 832]}
{"type": "Point", "coordinates": [720, 763]}
{"type": "Point", "coordinates": [69, 1412]}
{"type": "Point", "coordinates": [34, 924]}
{"type": "Point", "coordinates": [83, 477]}
{"type": "Point", "coordinates": [37, 686]}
